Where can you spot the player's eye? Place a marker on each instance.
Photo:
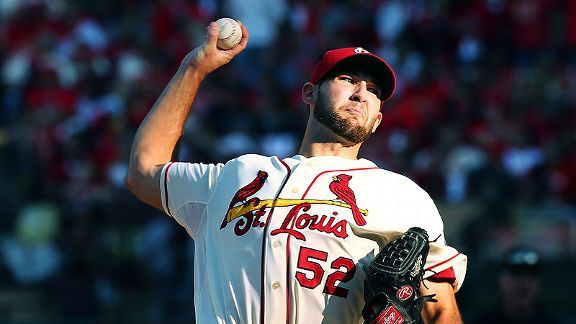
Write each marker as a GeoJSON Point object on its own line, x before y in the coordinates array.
{"type": "Point", "coordinates": [375, 91]}
{"type": "Point", "coordinates": [347, 79]}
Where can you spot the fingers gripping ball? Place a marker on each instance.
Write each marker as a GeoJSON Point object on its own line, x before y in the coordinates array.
{"type": "Point", "coordinates": [229, 33]}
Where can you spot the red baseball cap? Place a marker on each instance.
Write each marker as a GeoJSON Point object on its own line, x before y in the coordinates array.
{"type": "Point", "coordinates": [360, 56]}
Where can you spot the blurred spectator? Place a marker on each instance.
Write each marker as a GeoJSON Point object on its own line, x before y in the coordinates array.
{"type": "Point", "coordinates": [263, 19]}
{"type": "Point", "coordinates": [459, 163]}
{"type": "Point", "coordinates": [391, 19]}
{"type": "Point", "coordinates": [30, 252]}
{"type": "Point", "coordinates": [157, 253]}
{"type": "Point", "coordinates": [520, 290]}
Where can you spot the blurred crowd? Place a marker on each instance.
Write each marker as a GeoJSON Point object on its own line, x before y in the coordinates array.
{"type": "Point", "coordinates": [483, 116]}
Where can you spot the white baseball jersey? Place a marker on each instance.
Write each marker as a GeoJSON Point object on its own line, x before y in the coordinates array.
{"type": "Point", "coordinates": [286, 240]}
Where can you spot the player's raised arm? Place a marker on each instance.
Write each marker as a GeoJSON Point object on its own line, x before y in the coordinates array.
{"type": "Point", "coordinates": [159, 132]}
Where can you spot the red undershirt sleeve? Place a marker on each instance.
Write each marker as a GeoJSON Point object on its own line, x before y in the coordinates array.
{"type": "Point", "coordinates": [447, 275]}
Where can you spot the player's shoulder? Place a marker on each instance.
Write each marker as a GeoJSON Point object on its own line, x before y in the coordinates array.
{"type": "Point", "coordinates": [181, 167]}
{"type": "Point", "coordinates": [392, 175]}
{"type": "Point", "coordinates": [396, 177]}
{"type": "Point", "coordinates": [402, 184]}
{"type": "Point", "coordinates": [252, 161]}
{"type": "Point", "coordinates": [251, 158]}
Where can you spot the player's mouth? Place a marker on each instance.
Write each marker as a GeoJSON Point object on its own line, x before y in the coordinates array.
{"type": "Point", "coordinates": [355, 110]}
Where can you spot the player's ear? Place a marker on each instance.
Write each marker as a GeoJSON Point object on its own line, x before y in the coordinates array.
{"type": "Point", "coordinates": [378, 121]}
{"type": "Point", "coordinates": [308, 93]}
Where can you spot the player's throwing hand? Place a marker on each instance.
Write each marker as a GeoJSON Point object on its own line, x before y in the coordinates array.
{"type": "Point", "coordinates": [208, 57]}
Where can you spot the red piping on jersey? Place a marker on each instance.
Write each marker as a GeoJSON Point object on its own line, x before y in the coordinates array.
{"type": "Point", "coordinates": [441, 263]}
{"type": "Point", "coordinates": [288, 272]}
{"type": "Point", "coordinates": [166, 188]}
{"type": "Point", "coordinates": [263, 253]}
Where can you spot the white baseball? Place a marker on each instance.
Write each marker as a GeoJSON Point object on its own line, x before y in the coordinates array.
{"type": "Point", "coordinates": [229, 33]}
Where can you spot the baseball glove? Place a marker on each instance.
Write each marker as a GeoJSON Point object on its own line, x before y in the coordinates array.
{"type": "Point", "coordinates": [391, 287]}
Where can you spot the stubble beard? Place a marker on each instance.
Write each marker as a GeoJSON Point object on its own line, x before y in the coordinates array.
{"type": "Point", "coordinates": [326, 113]}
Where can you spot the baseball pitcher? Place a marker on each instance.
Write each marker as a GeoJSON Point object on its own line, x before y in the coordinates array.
{"type": "Point", "coordinates": [319, 237]}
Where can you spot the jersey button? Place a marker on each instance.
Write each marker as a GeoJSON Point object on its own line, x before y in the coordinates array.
{"type": "Point", "coordinates": [309, 164]}
{"type": "Point", "coordinates": [294, 190]}
{"type": "Point", "coordinates": [276, 285]}
{"type": "Point", "coordinates": [276, 244]}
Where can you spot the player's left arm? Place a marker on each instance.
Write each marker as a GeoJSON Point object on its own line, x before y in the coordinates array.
{"type": "Point", "coordinates": [443, 311]}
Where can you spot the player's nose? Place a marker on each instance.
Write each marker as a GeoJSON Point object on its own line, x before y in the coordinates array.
{"type": "Point", "coordinates": [360, 91]}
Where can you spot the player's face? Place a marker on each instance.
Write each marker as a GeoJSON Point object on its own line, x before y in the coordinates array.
{"type": "Point", "coordinates": [349, 104]}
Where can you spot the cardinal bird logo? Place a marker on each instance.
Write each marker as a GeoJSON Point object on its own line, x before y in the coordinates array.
{"type": "Point", "coordinates": [248, 190]}
{"type": "Point", "coordinates": [340, 187]}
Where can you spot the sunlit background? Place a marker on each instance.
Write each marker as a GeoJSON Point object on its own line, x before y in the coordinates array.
{"type": "Point", "coordinates": [484, 118]}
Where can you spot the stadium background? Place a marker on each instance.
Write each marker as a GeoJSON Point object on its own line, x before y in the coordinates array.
{"type": "Point", "coordinates": [483, 118]}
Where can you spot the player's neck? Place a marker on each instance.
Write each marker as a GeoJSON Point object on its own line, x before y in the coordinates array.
{"type": "Point", "coordinates": [328, 149]}
{"type": "Point", "coordinates": [318, 143]}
